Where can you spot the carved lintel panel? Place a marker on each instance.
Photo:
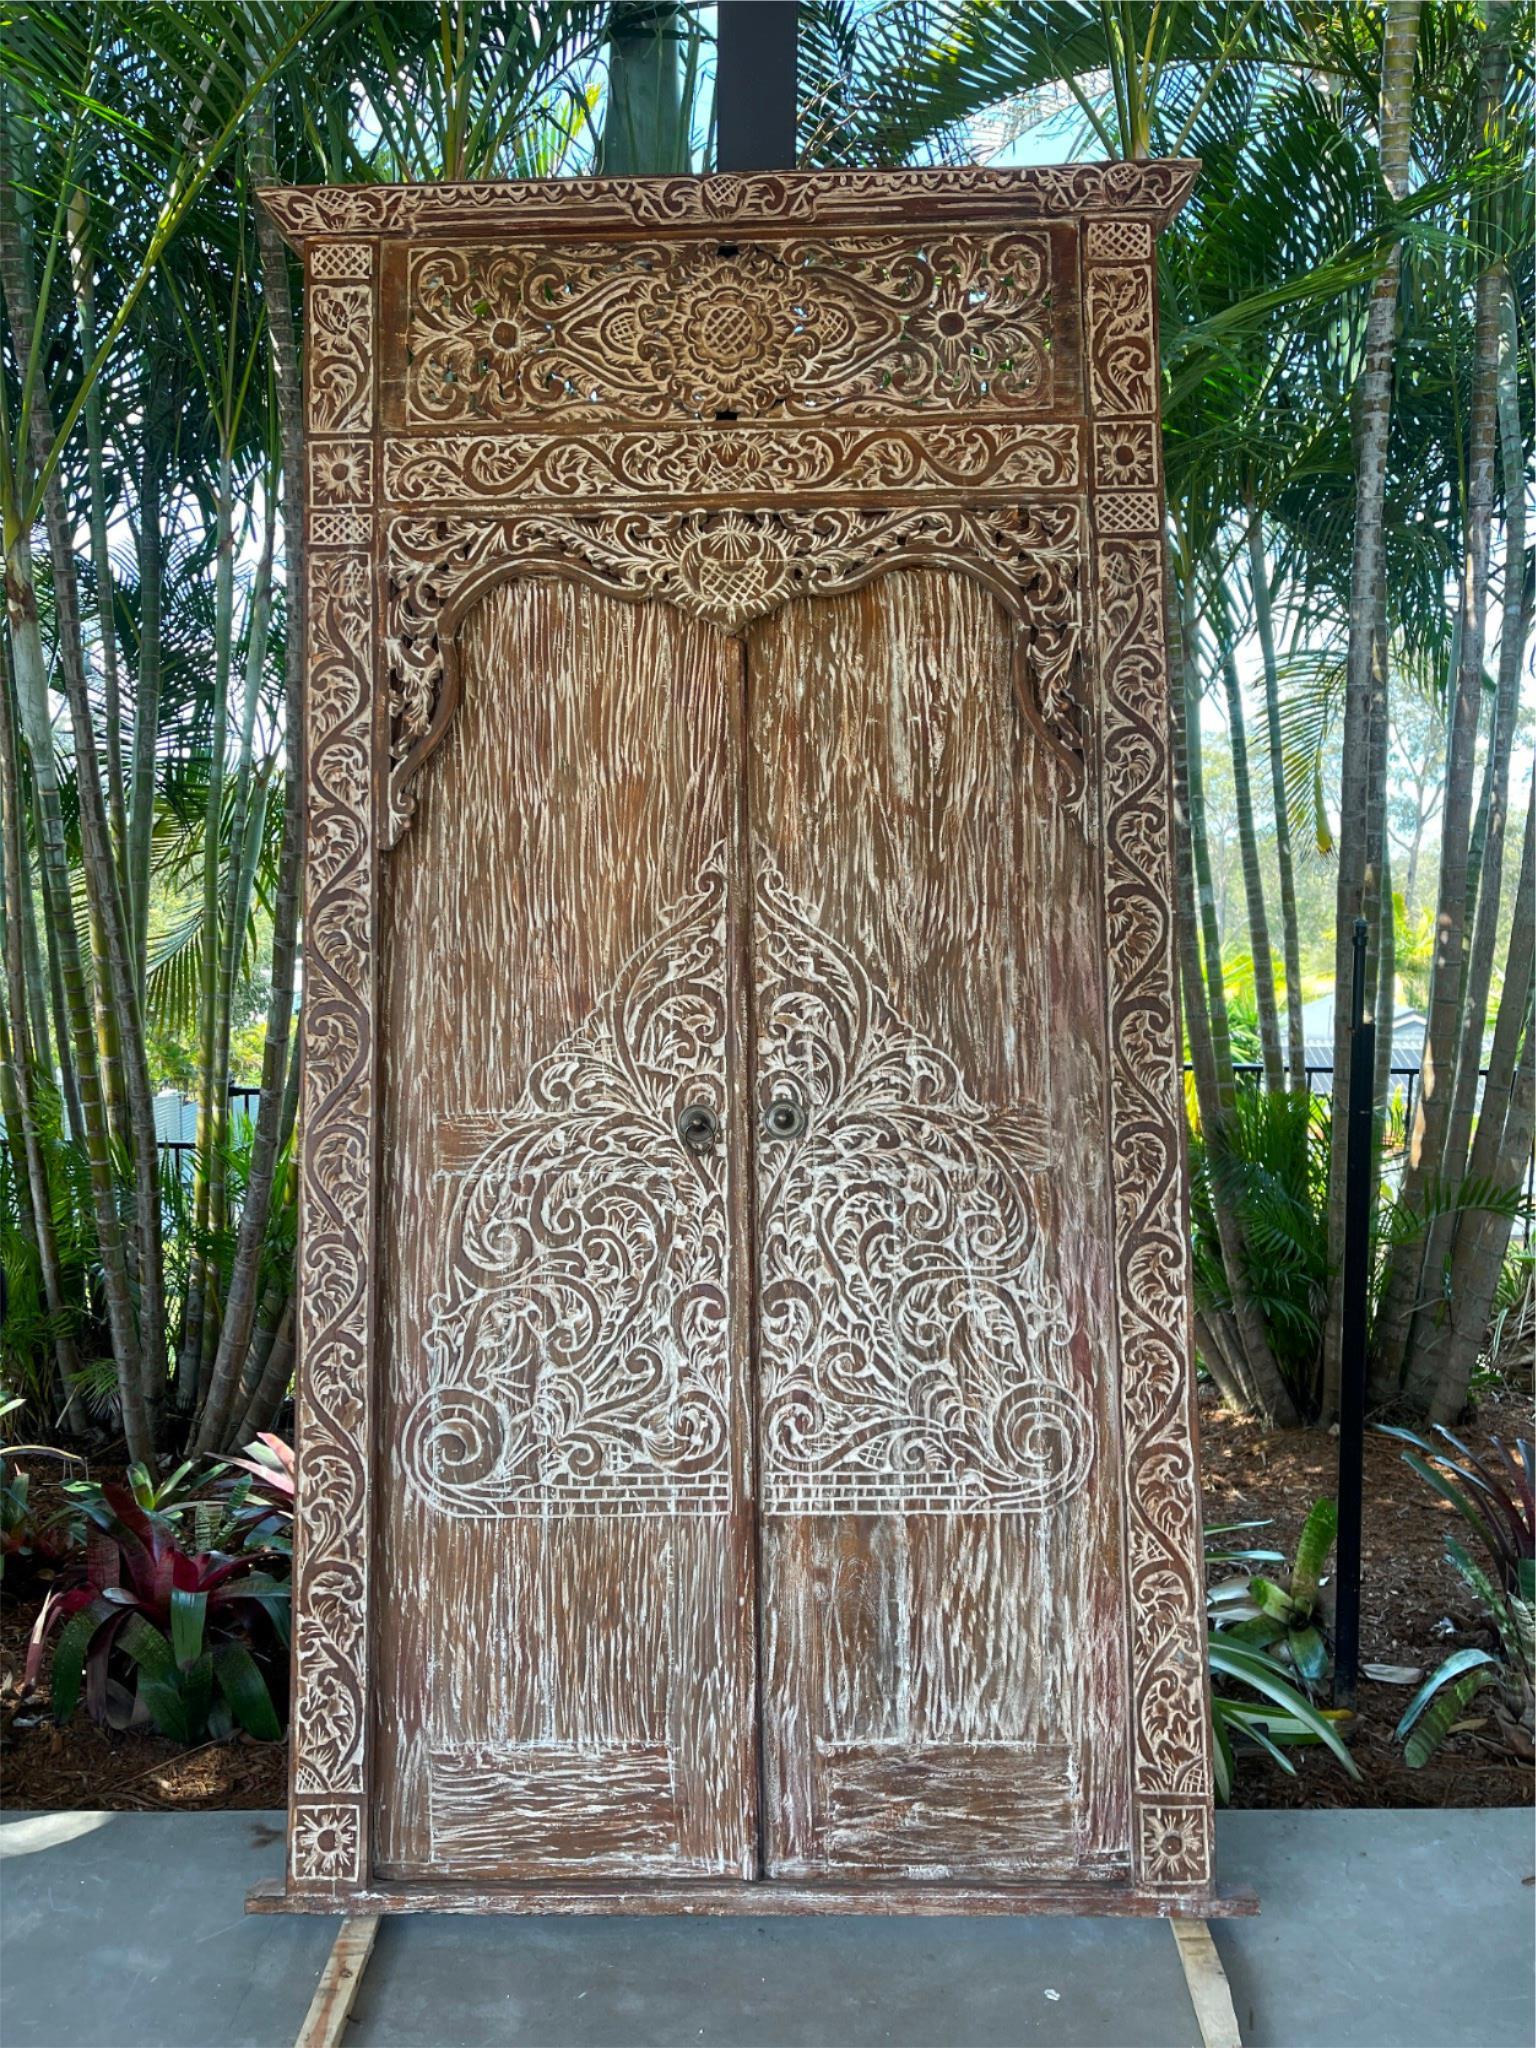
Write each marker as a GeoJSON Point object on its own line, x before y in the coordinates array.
{"type": "Point", "coordinates": [879, 326]}
{"type": "Point", "coordinates": [1152, 191]}
{"type": "Point", "coordinates": [730, 567]}
{"type": "Point", "coordinates": [729, 462]}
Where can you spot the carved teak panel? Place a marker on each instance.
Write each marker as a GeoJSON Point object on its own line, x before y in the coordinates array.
{"type": "Point", "coordinates": [745, 1401]}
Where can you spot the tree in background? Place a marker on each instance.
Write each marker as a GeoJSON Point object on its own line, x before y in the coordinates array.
{"type": "Point", "coordinates": [1348, 435]}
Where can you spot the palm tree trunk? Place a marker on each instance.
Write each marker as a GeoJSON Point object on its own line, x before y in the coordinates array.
{"type": "Point", "coordinates": [32, 696]}
{"type": "Point", "coordinates": [1367, 577]}
{"type": "Point", "coordinates": [101, 558]}
{"type": "Point", "coordinates": [1452, 1330]}
{"type": "Point", "coordinates": [279, 1074]}
{"type": "Point", "coordinates": [36, 1202]}
{"type": "Point", "coordinates": [213, 1091]}
{"type": "Point", "coordinates": [645, 124]}
{"type": "Point", "coordinates": [1290, 926]}
{"type": "Point", "coordinates": [1253, 878]}
{"type": "Point", "coordinates": [146, 706]}
{"type": "Point", "coordinates": [1450, 1020]}
{"type": "Point", "coordinates": [1251, 1362]}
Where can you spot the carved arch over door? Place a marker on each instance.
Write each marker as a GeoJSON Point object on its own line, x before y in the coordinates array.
{"type": "Point", "coordinates": [730, 568]}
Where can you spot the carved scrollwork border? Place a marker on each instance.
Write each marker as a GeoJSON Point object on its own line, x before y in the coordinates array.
{"type": "Point", "coordinates": [730, 567]}
{"type": "Point", "coordinates": [1171, 1780]}
{"type": "Point", "coordinates": [329, 1724]}
{"type": "Point", "coordinates": [773, 200]}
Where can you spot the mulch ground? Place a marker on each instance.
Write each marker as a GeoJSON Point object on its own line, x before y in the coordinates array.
{"type": "Point", "coordinates": [1414, 1610]}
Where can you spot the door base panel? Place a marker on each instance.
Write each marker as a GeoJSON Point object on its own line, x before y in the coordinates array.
{"type": "Point", "coordinates": [756, 1899]}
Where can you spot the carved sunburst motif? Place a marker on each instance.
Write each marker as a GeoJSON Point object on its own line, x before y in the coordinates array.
{"type": "Point", "coordinates": [914, 1347]}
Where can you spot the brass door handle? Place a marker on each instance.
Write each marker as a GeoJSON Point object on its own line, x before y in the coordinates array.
{"type": "Point", "coordinates": [698, 1127]}
{"type": "Point", "coordinates": [784, 1118]}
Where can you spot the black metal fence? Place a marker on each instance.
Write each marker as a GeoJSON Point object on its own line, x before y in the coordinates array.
{"type": "Point", "coordinates": [1402, 1096]}
{"type": "Point", "coordinates": [181, 1149]}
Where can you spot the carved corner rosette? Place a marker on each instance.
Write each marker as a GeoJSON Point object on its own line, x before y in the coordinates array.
{"type": "Point", "coordinates": [731, 568]}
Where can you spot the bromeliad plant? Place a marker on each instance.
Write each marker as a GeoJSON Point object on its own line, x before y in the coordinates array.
{"type": "Point", "coordinates": [1495, 1498]}
{"type": "Point", "coordinates": [183, 1639]}
{"type": "Point", "coordinates": [258, 1503]}
{"type": "Point", "coordinates": [1269, 1712]}
{"type": "Point", "coordinates": [1287, 1620]}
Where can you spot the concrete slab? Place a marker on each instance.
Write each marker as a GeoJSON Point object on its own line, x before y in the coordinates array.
{"type": "Point", "coordinates": [1380, 1930]}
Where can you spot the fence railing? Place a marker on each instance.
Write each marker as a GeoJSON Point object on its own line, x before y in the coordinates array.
{"type": "Point", "coordinates": [1252, 1070]}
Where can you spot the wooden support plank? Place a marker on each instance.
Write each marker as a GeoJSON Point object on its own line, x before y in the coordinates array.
{"type": "Point", "coordinates": [329, 2009]}
{"type": "Point", "coordinates": [1209, 1992]}
{"type": "Point", "coordinates": [753, 1898]}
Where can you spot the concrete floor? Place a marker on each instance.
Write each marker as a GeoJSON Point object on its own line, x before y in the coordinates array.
{"type": "Point", "coordinates": [1379, 1930]}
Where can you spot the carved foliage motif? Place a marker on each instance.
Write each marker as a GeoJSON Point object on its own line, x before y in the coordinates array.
{"type": "Point", "coordinates": [1171, 1779]}
{"type": "Point", "coordinates": [718, 461]}
{"type": "Point", "coordinates": [340, 343]}
{"type": "Point", "coordinates": [913, 1343]}
{"type": "Point", "coordinates": [578, 1352]}
{"type": "Point", "coordinates": [329, 1720]}
{"type": "Point", "coordinates": [824, 199]}
{"type": "Point", "coordinates": [732, 567]}
{"type": "Point", "coordinates": [870, 325]}
{"type": "Point", "coordinates": [1122, 370]}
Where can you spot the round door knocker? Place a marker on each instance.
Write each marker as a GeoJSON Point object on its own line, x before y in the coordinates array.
{"type": "Point", "coordinates": [784, 1118]}
{"type": "Point", "coordinates": [698, 1127]}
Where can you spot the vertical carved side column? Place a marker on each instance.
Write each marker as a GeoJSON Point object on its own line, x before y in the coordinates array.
{"type": "Point", "coordinates": [1171, 1767]}
{"type": "Point", "coordinates": [328, 1829]}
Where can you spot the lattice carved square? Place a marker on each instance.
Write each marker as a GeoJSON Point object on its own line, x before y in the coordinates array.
{"type": "Point", "coordinates": [1118, 241]}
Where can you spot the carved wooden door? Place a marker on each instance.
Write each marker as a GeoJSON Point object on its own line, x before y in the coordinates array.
{"type": "Point", "coordinates": [745, 1408]}
{"type": "Point", "coordinates": [941, 1551]}
{"type": "Point", "coordinates": [567, 1675]}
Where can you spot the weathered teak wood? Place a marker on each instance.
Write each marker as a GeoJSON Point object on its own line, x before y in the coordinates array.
{"type": "Point", "coordinates": [1209, 1992]}
{"type": "Point", "coordinates": [736, 690]}
{"type": "Point", "coordinates": [325, 2024]}
{"type": "Point", "coordinates": [711, 1901]}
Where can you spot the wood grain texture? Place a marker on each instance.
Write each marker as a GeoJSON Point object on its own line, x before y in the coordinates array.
{"type": "Point", "coordinates": [566, 1563]}
{"type": "Point", "coordinates": [905, 800]}
{"type": "Point", "coordinates": [325, 2023]}
{"type": "Point", "coordinates": [763, 1901]}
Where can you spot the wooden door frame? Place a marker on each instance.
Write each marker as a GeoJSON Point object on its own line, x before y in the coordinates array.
{"type": "Point", "coordinates": [1052, 495]}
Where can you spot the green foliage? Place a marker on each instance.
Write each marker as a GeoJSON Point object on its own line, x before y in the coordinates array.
{"type": "Point", "coordinates": [1493, 1496]}
{"type": "Point", "coordinates": [1286, 1617]}
{"type": "Point", "coordinates": [1260, 1644]}
{"type": "Point", "coordinates": [1273, 1167]}
{"type": "Point", "coordinates": [188, 1641]}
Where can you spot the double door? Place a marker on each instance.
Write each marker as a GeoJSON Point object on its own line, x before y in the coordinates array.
{"type": "Point", "coordinates": [750, 1501]}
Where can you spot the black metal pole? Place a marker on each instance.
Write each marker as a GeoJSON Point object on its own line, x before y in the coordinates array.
{"type": "Point", "coordinates": [1357, 1280]}
{"type": "Point", "coordinates": [755, 85]}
